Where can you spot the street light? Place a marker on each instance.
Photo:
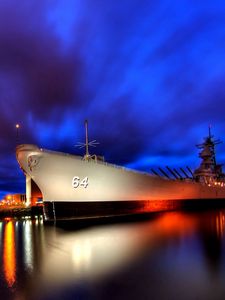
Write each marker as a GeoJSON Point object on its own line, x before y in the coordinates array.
{"type": "Point", "coordinates": [17, 132]}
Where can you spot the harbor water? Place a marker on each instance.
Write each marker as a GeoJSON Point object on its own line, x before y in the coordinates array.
{"type": "Point", "coordinates": [173, 255]}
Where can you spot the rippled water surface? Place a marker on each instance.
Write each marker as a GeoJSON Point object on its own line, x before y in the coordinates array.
{"type": "Point", "coordinates": [172, 255]}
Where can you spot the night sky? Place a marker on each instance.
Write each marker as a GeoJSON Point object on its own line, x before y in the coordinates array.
{"type": "Point", "coordinates": [148, 75]}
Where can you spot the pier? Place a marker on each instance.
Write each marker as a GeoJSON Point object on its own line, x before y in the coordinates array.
{"type": "Point", "coordinates": [20, 211]}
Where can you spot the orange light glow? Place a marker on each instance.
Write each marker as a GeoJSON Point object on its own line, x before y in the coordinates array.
{"type": "Point", "coordinates": [176, 222]}
{"type": "Point", "coordinates": [9, 256]}
{"type": "Point", "coordinates": [220, 224]}
{"type": "Point", "coordinates": [17, 126]}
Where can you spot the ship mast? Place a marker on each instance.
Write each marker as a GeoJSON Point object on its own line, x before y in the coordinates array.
{"type": "Point", "coordinates": [209, 171]}
{"type": "Point", "coordinates": [213, 145]}
{"type": "Point", "coordinates": [86, 139]}
{"type": "Point", "coordinates": [86, 145]}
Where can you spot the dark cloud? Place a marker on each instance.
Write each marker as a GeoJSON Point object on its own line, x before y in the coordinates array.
{"type": "Point", "coordinates": [36, 76]}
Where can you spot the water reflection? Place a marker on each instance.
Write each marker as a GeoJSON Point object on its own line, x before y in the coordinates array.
{"type": "Point", "coordinates": [9, 253]}
{"type": "Point", "coordinates": [211, 231]}
{"type": "Point", "coordinates": [17, 259]}
{"type": "Point", "coordinates": [28, 246]}
{"type": "Point", "coordinates": [171, 256]}
{"type": "Point", "coordinates": [220, 224]}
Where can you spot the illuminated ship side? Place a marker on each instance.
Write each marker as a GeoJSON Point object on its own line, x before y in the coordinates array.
{"type": "Point", "coordinates": [82, 187]}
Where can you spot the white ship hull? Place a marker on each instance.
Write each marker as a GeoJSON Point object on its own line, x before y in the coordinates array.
{"type": "Point", "coordinates": [74, 188]}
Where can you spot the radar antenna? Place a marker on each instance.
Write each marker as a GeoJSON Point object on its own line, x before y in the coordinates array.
{"type": "Point", "coordinates": [87, 144]}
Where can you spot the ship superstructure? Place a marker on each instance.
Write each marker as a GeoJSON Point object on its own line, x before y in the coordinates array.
{"type": "Point", "coordinates": [209, 172]}
{"type": "Point", "coordinates": [86, 186]}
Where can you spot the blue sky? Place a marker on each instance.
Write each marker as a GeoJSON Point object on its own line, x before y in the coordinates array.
{"type": "Point", "coordinates": [149, 76]}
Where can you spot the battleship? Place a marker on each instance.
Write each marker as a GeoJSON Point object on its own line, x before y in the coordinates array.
{"type": "Point", "coordinates": [79, 187]}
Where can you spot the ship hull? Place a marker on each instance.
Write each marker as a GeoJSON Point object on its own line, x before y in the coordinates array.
{"type": "Point", "coordinates": [74, 188]}
{"type": "Point", "coordinates": [67, 210]}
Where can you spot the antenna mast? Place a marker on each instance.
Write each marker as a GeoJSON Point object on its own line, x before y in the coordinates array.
{"type": "Point", "coordinates": [210, 131]}
{"type": "Point", "coordinates": [86, 145]}
{"type": "Point", "coordinates": [86, 138]}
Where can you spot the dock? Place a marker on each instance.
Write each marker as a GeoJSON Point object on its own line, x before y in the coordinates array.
{"type": "Point", "coordinates": [20, 211]}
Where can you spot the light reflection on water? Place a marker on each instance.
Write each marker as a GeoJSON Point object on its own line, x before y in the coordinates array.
{"type": "Point", "coordinates": [171, 256]}
{"type": "Point", "coordinates": [9, 254]}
